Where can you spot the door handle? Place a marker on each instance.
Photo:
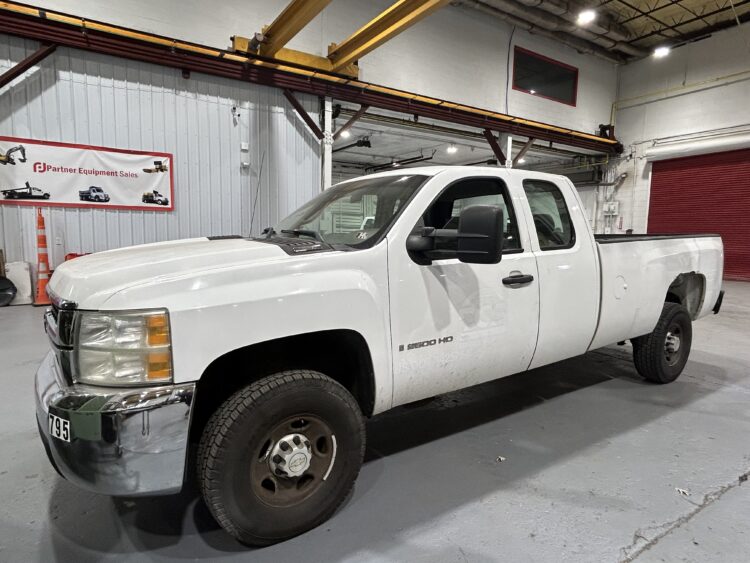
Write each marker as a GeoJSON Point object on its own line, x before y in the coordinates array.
{"type": "Point", "coordinates": [518, 279]}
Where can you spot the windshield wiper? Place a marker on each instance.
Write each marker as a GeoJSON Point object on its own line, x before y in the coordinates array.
{"type": "Point", "coordinates": [303, 232]}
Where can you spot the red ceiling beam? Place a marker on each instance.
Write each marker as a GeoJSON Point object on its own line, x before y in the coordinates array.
{"type": "Point", "coordinates": [352, 120]}
{"type": "Point", "coordinates": [265, 73]}
{"type": "Point", "coordinates": [303, 114]}
{"type": "Point", "coordinates": [523, 151]}
{"type": "Point", "coordinates": [495, 146]}
{"type": "Point", "coordinates": [22, 66]}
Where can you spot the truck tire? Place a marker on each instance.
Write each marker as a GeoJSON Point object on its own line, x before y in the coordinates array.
{"type": "Point", "coordinates": [280, 456]}
{"type": "Point", "coordinates": [661, 356]}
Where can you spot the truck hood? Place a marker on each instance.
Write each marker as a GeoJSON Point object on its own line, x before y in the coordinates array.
{"type": "Point", "coordinates": [90, 280]}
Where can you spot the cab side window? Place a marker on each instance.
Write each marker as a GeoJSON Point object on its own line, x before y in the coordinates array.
{"type": "Point", "coordinates": [445, 211]}
{"type": "Point", "coordinates": [552, 222]}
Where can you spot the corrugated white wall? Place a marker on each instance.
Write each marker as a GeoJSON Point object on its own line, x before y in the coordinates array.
{"type": "Point", "coordinates": [80, 97]}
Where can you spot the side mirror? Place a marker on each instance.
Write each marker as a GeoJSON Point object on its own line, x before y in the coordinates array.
{"type": "Point", "coordinates": [423, 242]}
{"type": "Point", "coordinates": [480, 234]}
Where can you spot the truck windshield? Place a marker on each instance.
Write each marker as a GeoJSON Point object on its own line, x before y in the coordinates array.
{"type": "Point", "coordinates": [355, 213]}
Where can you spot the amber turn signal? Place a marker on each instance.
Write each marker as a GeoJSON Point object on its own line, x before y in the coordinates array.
{"type": "Point", "coordinates": [159, 366]}
{"type": "Point", "coordinates": [157, 329]}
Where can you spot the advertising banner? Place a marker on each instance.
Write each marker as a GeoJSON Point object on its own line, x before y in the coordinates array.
{"type": "Point", "coordinates": [62, 174]}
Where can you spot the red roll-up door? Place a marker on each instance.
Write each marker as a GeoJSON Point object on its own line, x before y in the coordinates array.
{"type": "Point", "coordinates": [706, 194]}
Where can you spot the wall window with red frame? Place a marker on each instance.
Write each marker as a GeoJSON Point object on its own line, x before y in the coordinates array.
{"type": "Point", "coordinates": [541, 76]}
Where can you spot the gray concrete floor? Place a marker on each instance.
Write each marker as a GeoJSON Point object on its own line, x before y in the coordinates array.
{"type": "Point", "coordinates": [593, 460]}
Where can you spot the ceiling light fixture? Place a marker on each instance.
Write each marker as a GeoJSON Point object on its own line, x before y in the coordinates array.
{"type": "Point", "coordinates": [586, 17]}
{"type": "Point", "coordinates": [345, 134]}
{"type": "Point", "coordinates": [452, 149]}
{"type": "Point", "coordinates": [661, 52]}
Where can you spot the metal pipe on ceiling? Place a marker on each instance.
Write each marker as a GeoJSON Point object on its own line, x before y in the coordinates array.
{"type": "Point", "coordinates": [578, 44]}
{"type": "Point", "coordinates": [570, 9]}
{"type": "Point", "coordinates": [364, 142]}
{"type": "Point", "coordinates": [553, 23]}
{"type": "Point", "coordinates": [399, 163]}
{"type": "Point", "coordinates": [434, 129]}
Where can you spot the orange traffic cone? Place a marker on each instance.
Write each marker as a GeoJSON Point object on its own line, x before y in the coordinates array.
{"type": "Point", "coordinates": [42, 263]}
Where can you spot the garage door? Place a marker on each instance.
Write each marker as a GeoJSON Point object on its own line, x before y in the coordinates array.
{"type": "Point", "coordinates": [706, 194]}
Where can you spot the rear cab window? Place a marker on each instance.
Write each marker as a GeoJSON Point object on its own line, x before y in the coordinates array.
{"type": "Point", "coordinates": [552, 221]}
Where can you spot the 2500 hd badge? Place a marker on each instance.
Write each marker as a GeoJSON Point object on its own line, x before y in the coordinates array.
{"type": "Point", "coordinates": [425, 343]}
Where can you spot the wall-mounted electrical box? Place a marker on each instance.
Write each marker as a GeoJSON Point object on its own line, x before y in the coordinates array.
{"type": "Point", "coordinates": [611, 208]}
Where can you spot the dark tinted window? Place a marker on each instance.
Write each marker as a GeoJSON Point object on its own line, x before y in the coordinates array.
{"type": "Point", "coordinates": [446, 209]}
{"type": "Point", "coordinates": [544, 77]}
{"type": "Point", "coordinates": [551, 218]}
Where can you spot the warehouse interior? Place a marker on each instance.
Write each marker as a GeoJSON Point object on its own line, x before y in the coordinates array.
{"type": "Point", "coordinates": [140, 123]}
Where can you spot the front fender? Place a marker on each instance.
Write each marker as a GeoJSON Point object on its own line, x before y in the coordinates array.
{"type": "Point", "coordinates": [218, 311]}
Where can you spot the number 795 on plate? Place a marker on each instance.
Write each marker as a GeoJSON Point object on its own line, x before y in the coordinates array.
{"type": "Point", "coordinates": [59, 428]}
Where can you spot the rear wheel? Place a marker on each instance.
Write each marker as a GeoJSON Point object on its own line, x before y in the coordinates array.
{"type": "Point", "coordinates": [661, 356]}
{"type": "Point", "coordinates": [280, 456]}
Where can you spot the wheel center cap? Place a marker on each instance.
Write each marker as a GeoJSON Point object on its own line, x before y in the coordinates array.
{"type": "Point", "coordinates": [673, 342]}
{"type": "Point", "coordinates": [291, 456]}
{"type": "Point", "coordinates": [297, 463]}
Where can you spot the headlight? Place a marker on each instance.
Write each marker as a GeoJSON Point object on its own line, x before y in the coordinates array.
{"type": "Point", "coordinates": [123, 348]}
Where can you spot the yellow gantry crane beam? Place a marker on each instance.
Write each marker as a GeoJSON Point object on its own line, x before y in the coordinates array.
{"type": "Point", "coordinates": [289, 23]}
{"type": "Point", "coordinates": [400, 16]}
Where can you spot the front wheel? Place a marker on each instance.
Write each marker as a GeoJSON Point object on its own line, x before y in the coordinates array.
{"type": "Point", "coordinates": [661, 356]}
{"type": "Point", "coordinates": [280, 456]}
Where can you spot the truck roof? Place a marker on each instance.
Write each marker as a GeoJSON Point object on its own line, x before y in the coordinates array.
{"type": "Point", "coordinates": [470, 171]}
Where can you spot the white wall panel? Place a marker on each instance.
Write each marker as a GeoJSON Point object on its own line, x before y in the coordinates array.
{"type": "Point", "coordinates": [700, 92]}
{"type": "Point", "coordinates": [81, 97]}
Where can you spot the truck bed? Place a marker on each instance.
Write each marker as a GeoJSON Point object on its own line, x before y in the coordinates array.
{"type": "Point", "coordinates": [636, 277]}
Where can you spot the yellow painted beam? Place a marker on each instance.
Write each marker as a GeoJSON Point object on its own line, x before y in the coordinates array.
{"type": "Point", "coordinates": [400, 16]}
{"type": "Point", "coordinates": [242, 45]}
{"type": "Point", "coordinates": [289, 23]}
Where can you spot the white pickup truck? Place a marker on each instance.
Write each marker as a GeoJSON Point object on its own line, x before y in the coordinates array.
{"type": "Point", "coordinates": [253, 362]}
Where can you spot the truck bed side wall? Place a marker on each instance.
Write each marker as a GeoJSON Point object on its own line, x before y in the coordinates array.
{"type": "Point", "coordinates": [636, 277]}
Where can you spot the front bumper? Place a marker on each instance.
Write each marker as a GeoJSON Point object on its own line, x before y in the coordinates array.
{"type": "Point", "coordinates": [124, 441]}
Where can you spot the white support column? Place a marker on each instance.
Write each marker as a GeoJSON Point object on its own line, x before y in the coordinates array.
{"type": "Point", "coordinates": [327, 168]}
{"type": "Point", "coordinates": [509, 153]}
{"type": "Point", "coordinates": [502, 140]}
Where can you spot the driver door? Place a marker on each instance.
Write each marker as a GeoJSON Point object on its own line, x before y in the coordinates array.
{"type": "Point", "coordinates": [456, 324]}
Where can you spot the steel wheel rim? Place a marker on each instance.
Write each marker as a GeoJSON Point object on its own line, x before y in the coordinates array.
{"type": "Point", "coordinates": [673, 345]}
{"type": "Point", "coordinates": [281, 490]}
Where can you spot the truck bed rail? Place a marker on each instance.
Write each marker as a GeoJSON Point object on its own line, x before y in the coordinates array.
{"type": "Point", "coordinates": [608, 239]}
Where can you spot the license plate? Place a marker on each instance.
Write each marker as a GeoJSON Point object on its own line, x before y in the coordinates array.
{"type": "Point", "coordinates": [59, 428]}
